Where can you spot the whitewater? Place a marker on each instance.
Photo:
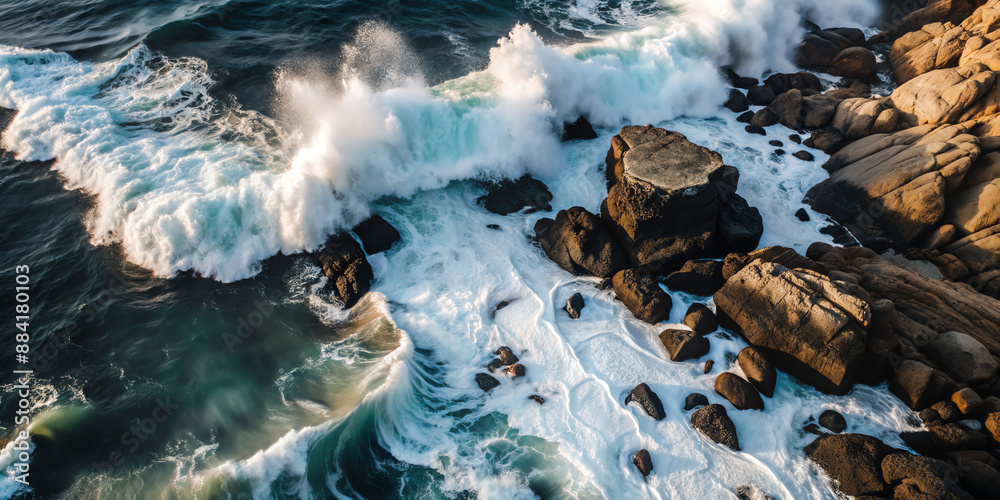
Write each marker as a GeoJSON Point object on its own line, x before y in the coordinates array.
{"type": "Point", "coordinates": [184, 181]}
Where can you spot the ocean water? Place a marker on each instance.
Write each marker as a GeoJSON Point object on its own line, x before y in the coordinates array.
{"type": "Point", "coordinates": [171, 161]}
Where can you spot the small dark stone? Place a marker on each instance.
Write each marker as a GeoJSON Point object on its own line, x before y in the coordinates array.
{"type": "Point", "coordinates": [755, 129]}
{"type": "Point", "coordinates": [494, 227]}
{"type": "Point", "coordinates": [701, 319]}
{"type": "Point", "coordinates": [796, 138]}
{"type": "Point", "coordinates": [779, 152]}
{"type": "Point", "coordinates": [695, 400]}
{"type": "Point", "coordinates": [486, 382]}
{"type": "Point", "coordinates": [494, 365]}
{"type": "Point", "coordinates": [507, 356]}
{"type": "Point", "coordinates": [643, 462]}
{"type": "Point", "coordinates": [536, 398]}
{"type": "Point", "coordinates": [804, 156]}
{"type": "Point", "coordinates": [930, 417]}
{"type": "Point", "coordinates": [683, 345]}
{"type": "Point", "coordinates": [648, 400]}
{"type": "Point", "coordinates": [747, 492]}
{"type": "Point", "coordinates": [745, 117]}
{"type": "Point", "coordinates": [708, 366]}
{"type": "Point", "coordinates": [776, 143]}
{"type": "Point", "coordinates": [833, 421]}
{"type": "Point", "coordinates": [739, 392]}
{"type": "Point", "coordinates": [803, 215]}
{"type": "Point", "coordinates": [581, 129]}
{"type": "Point", "coordinates": [737, 102]}
{"type": "Point", "coordinates": [501, 305]}
{"type": "Point", "coordinates": [515, 370]}
{"type": "Point", "coordinates": [574, 305]}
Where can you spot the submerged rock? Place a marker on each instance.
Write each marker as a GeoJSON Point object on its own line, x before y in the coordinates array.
{"type": "Point", "coordinates": [376, 234]}
{"type": "Point", "coordinates": [581, 130]}
{"type": "Point", "coordinates": [506, 196]}
{"type": "Point", "coordinates": [507, 356]}
{"type": "Point", "coordinates": [486, 382]}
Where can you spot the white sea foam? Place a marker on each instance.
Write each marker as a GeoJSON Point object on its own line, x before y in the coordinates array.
{"type": "Point", "coordinates": [188, 183]}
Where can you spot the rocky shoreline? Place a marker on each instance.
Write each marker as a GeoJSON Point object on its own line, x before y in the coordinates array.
{"type": "Point", "coordinates": [908, 299]}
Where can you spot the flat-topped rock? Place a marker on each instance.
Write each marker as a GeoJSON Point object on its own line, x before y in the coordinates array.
{"type": "Point", "coordinates": [665, 198]}
{"type": "Point", "coordinates": [667, 160]}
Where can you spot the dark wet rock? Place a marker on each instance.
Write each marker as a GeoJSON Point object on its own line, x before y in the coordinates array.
{"type": "Point", "coordinates": [515, 370]}
{"type": "Point", "coordinates": [507, 196]}
{"type": "Point", "coordinates": [376, 234]}
{"type": "Point", "coordinates": [536, 398]}
{"type": "Point", "coordinates": [642, 295]}
{"type": "Point", "coordinates": [695, 400]}
{"type": "Point", "coordinates": [502, 304]}
{"type": "Point", "coordinates": [783, 82]}
{"type": "Point", "coordinates": [809, 326]}
{"type": "Point", "coordinates": [796, 138]}
{"type": "Point", "coordinates": [798, 110]}
{"type": "Point", "coordinates": [494, 227]}
{"type": "Point", "coordinates": [802, 215]}
{"type": "Point", "coordinates": [745, 117]}
{"type": "Point", "coordinates": [507, 356]}
{"type": "Point", "coordinates": [6, 116]}
{"type": "Point", "coordinates": [580, 243]}
{"type": "Point", "coordinates": [930, 416]}
{"type": "Point", "coordinates": [764, 117]}
{"type": "Point", "coordinates": [829, 140]}
{"type": "Point", "coordinates": [833, 421]}
{"type": "Point", "coordinates": [759, 370]}
{"type": "Point", "coordinates": [737, 102]}
{"type": "Point", "coordinates": [740, 225]}
{"type": "Point", "coordinates": [683, 345]}
{"type": "Point", "coordinates": [344, 262]}
{"type": "Point", "coordinates": [947, 411]}
{"type": "Point", "coordinates": [714, 423]}
{"type": "Point", "coordinates": [574, 305]}
{"type": "Point", "coordinates": [761, 95]}
{"type": "Point", "coordinates": [813, 428]}
{"type": "Point", "coordinates": [494, 365]}
{"type": "Point", "coordinates": [648, 400]}
{"type": "Point", "coordinates": [804, 156]}
{"type": "Point", "coordinates": [643, 462]}
{"type": "Point", "coordinates": [581, 129]}
{"type": "Point", "coordinates": [856, 62]}
{"type": "Point", "coordinates": [708, 366]}
{"type": "Point", "coordinates": [739, 392]}
{"type": "Point", "coordinates": [701, 319]}
{"type": "Point", "coordinates": [755, 129]}
{"type": "Point", "coordinates": [740, 82]}
{"type": "Point", "coordinates": [486, 382]}
{"type": "Point", "coordinates": [776, 144]}
{"type": "Point", "coordinates": [697, 277]}
{"type": "Point", "coordinates": [749, 492]}
{"type": "Point", "coordinates": [853, 461]}
{"type": "Point", "coordinates": [779, 152]}
{"type": "Point", "coordinates": [665, 197]}
{"type": "Point", "coordinates": [914, 476]}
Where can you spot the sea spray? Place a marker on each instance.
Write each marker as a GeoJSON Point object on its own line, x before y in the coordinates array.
{"type": "Point", "coordinates": [185, 183]}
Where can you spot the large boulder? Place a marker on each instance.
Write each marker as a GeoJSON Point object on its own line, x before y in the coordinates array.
{"type": "Point", "coordinates": [739, 392]}
{"type": "Point", "coordinates": [346, 267]}
{"type": "Point", "coordinates": [820, 48]}
{"type": "Point", "coordinates": [858, 63]}
{"type": "Point", "coordinates": [966, 359]}
{"type": "Point", "coordinates": [952, 95]}
{"type": "Point", "coordinates": [893, 186]}
{"type": "Point", "coordinates": [807, 324]}
{"type": "Point", "coordinates": [642, 295]}
{"type": "Point", "coordinates": [580, 243]}
{"type": "Point", "coordinates": [714, 423]}
{"type": "Point", "coordinates": [797, 110]}
{"type": "Point", "coordinates": [665, 197]}
{"type": "Point", "coordinates": [853, 461]}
